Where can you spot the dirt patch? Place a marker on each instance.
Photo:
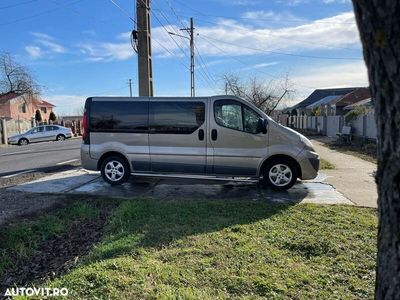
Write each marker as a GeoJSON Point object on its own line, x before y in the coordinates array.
{"type": "Point", "coordinates": [58, 255]}
{"type": "Point", "coordinates": [21, 205]}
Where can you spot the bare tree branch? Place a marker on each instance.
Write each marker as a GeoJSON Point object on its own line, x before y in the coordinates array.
{"type": "Point", "coordinates": [16, 78]}
{"type": "Point", "coordinates": [265, 95]}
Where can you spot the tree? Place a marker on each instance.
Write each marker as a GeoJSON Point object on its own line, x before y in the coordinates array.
{"type": "Point", "coordinates": [265, 95]}
{"type": "Point", "coordinates": [38, 116]}
{"type": "Point", "coordinates": [379, 25]}
{"type": "Point", "coordinates": [15, 77]}
{"type": "Point", "coordinates": [52, 117]}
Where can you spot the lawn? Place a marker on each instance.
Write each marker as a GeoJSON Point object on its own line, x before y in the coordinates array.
{"type": "Point", "coordinates": [18, 241]}
{"type": "Point", "coordinates": [215, 249]}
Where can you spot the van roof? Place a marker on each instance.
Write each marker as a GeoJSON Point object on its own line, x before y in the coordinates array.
{"type": "Point", "coordinates": [102, 98]}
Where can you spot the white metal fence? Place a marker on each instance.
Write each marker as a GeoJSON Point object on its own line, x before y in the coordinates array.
{"type": "Point", "coordinates": [363, 126]}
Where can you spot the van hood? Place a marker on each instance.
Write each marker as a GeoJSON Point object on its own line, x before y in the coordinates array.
{"type": "Point", "coordinates": [290, 133]}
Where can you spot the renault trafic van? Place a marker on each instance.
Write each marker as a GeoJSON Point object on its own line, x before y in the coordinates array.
{"type": "Point", "coordinates": [217, 137]}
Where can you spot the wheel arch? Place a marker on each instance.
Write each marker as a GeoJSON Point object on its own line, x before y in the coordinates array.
{"type": "Point", "coordinates": [112, 153]}
{"type": "Point", "coordinates": [280, 156]}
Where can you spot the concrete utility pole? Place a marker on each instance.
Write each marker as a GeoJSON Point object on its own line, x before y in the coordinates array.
{"type": "Point", "coordinates": [192, 87]}
{"type": "Point", "coordinates": [144, 48]}
{"type": "Point", "coordinates": [130, 87]}
{"type": "Point", "coordinates": [190, 30]}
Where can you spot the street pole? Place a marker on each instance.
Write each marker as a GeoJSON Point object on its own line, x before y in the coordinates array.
{"type": "Point", "coordinates": [190, 30]}
{"type": "Point", "coordinates": [192, 78]}
{"type": "Point", "coordinates": [145, 72]}
{"type": "Point", "coordinates": [130, 87]}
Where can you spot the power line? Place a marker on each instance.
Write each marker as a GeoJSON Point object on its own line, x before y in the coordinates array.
{"type": "Point", "coordinates": [278, 37]}
{"type": "Point", "coordinates": [203, 65]}
{"type": "Point", "coordinates": [39, 14]}
{"type": "Point", "coordinates": [174, 12]}
{"type": "Point", "coordinates": [246, 64]}
{"type": "Point", "coordinates": [285, 53]}
{"type": "Point", "coordinates": [123, 11]}
{"type": "Point", "coordinates": [17, 4]}
{"type": "Point", "coordinates": [167, 31]}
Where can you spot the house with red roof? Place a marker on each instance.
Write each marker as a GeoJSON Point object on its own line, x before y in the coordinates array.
{"type": "Point", "coordinates": [23, 106]}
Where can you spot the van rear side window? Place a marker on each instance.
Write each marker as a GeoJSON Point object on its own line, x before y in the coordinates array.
{"type": "Point", "coordinates": [176, 117]}
{"type": "Point", "coordinates": [119, 116]}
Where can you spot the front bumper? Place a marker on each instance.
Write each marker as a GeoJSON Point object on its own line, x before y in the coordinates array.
{"type": "Point", "coordinates": [11, 141]}
{"type": "Point", "coordinates": [309, 164]}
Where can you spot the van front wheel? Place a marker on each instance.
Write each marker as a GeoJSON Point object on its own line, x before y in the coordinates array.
{"type": "Point", "coordinates": [115, 170]}
{"type": "Point", "coordinates": [280, 174]}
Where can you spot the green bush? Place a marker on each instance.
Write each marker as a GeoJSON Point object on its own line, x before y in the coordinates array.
{"type": "Point", "coordinates": [353, 114]}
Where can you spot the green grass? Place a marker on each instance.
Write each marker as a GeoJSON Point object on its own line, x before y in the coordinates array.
{"type": "Point", "coordinates": [18, 241]}
{"type": "Point", "coordinates": [326, 165]}
{"type": "Point", "coordinates": [229, 250]}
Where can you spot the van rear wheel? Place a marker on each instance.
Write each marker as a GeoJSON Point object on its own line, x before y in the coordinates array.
{"type": "Point", "coordinates": [280, 174]}
{"type": "Point", "coordinates": [115, 170]}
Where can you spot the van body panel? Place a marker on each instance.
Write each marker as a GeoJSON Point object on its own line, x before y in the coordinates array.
{"type": "Point", "coordinates": [235, 152]}
{"type": "Point", "coordinates": [195, 136]}
{"type": "Point", "coordinates": [182, 151]}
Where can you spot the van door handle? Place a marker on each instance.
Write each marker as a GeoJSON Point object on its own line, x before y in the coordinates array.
{"type": "Point", "coordinates": [214, 134]}
{"type": "Point", "coordinates": [201, 135]}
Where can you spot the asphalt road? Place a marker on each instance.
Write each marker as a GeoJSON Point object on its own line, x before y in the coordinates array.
{"type": "Point", "coordinates": [17, 160]}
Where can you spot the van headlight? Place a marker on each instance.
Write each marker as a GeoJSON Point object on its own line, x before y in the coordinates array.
{"type": "Point", "coordinates": [307, 143]}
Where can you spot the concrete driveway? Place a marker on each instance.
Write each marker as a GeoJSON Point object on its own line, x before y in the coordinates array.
{"type": "Point", "coordinates": [80, 181]}
{"type": "Point", "coordinates": [352, 176]}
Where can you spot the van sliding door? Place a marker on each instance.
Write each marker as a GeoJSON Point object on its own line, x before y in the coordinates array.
{"type": "Point", "coordinates": [177, 139]}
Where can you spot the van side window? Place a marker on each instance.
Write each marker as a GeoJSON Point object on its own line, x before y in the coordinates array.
{"type": "Point", "coordinates": [229, 114]}
{"type": "Point", "coordinates": [250, 119]}
{"type": "Point", "coordinates": [176, 117]}
{"type": "Point", "coordinates": [234, 115]}
{"type": "Point", "coordinates": [119, 116]}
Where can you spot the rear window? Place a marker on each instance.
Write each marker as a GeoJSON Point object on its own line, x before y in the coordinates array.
{"type": "Point", "coordinates": [119, 116]}
{"type": "Point", "coordinates": [176, 117]}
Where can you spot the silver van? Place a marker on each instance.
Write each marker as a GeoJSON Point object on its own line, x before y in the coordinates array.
{"type": "Point", "coordinates": [202, 137]}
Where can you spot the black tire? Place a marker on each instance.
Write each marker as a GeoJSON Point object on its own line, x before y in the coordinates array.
{"type": "Point", "coordinates": [60, 137]}
{"type": "Point", "coordinates": [280, 174]}
{"type": "Point", "coordinates": [23, 142]}
{"type": "Point", "coordinates": [111, 165]}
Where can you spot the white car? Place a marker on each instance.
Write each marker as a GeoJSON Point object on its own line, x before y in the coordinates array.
{"type": "Point", "coordinates": [41, 134]}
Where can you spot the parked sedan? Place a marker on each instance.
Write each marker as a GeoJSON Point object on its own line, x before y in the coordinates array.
{"type": "Point", "coordinates": [41, 134]}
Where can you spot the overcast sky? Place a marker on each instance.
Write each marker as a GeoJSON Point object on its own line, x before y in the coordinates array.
{"type": "Point", "coordinates": [81, 48]}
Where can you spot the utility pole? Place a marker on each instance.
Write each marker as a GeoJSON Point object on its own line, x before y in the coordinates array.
{"type": "Point", "coordinates": [192, 87]}
{"type": "Point", "coordinates": [190, 30]}
{"type": "Point", "coordinates": [130, 87]}
{"type": "Point", "coordinates": [145, 69]}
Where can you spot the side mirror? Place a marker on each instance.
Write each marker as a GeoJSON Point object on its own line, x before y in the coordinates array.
{"type": "Point", "coordinates": [262, 126]}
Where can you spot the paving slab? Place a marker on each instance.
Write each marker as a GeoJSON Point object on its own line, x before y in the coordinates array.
{"type": "Point", "coordinates": [84, 182]}
{"type": "Point", "coordinates": [61, 182]}
{"type": "Point", "coordinates": [352, 176]}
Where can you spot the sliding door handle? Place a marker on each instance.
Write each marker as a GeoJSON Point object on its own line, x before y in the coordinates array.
{"type": "Point", "coordinates": [201, 135]}
{"type": "Point", "coordinates": [214, 134]}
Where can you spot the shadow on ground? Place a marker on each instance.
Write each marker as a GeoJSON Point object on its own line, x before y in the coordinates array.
{"type": "Point", "coordinates": [89, 183]}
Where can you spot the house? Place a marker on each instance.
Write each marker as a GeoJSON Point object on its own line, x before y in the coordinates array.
{"type": "Point", "coordinates": [23, 106]}
{"type": "Point", "coordinates": [367, 104]}
{"type": "Point", "coordinates": [330, 102]}
{"type": "Point", "coordinates": [319, 94]}
{"type": "Point", "coordinates": [351, 98]}
{"type": "Point", "coordinates": [324, 105]}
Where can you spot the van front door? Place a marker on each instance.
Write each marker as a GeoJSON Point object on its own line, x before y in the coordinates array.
{"type": "Point", "coordinates": [177, 130]}
{"type": "Point", "coordinates": [237, 146]}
